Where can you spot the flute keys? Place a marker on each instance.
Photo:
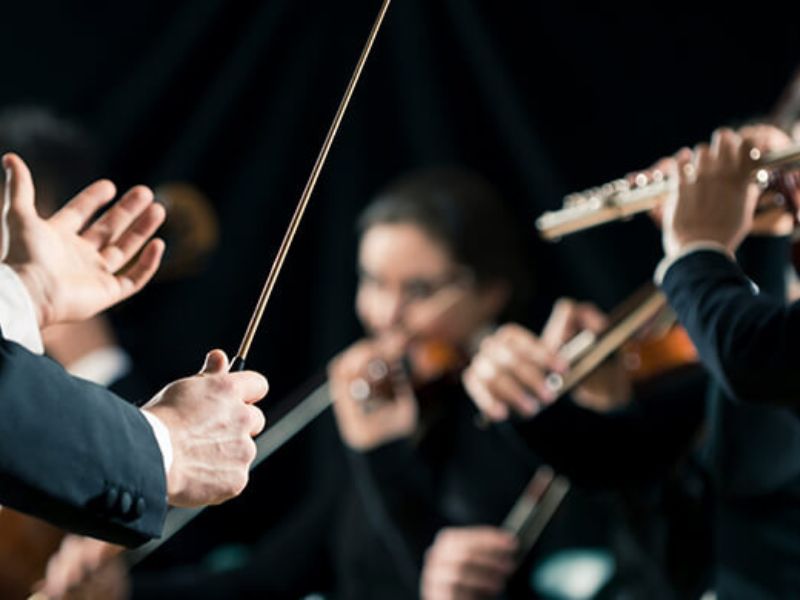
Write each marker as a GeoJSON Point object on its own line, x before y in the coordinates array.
{"type": "Point", "coordinates": [620, 186]}
{"type": "Point", "coordinates": [573, 200]}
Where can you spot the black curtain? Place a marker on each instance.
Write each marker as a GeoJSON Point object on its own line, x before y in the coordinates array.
{"type": "Point", "coordinates": [235, 97]}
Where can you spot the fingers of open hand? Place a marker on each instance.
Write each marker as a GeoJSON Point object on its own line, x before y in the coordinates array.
{"type": "Point", "coordinates": [19, 190]}
{"type": "Point", "coordinates": [140, 272]}
{"type": "Point", "coordinates": [119, 217]}
{"type": "Point", "coordinates": [78, 212]}
{"type": "Point", "coordinates": [118, 250]}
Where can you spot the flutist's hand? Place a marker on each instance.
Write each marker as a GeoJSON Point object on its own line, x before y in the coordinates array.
{"type": "Point", "coordinates": [72, 266]}
{"type": "Point", "coordinates": [717, 196]}
{"type": "Point", "coordinates": [776, 221]}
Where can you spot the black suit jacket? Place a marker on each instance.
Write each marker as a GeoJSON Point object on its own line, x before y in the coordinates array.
{"type": "Point", "coordinates": [75, 454]}
{"type": "Point", "coordinates": [744, 338]}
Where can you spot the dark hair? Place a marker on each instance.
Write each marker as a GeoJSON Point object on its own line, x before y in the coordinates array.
{"type": "Point", "coordinates": [60, 153]}
{"type": "Point", "coordinates": [465, 213]}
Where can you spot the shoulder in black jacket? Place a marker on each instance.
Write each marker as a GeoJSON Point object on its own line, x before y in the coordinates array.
{"type": "Point", "coordinates": [75, 454]}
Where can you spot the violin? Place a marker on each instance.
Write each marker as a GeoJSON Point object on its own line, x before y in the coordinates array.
{"type": "Point", "coordinates": [662, 348]}
{"type": "Point", "coordinates": [646, 356]}
{"type": "Point", "coordinates": [423, 364]}
{"type": "Point", "coordinates": [424, 359]}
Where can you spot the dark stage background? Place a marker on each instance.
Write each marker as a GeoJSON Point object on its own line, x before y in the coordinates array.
{"type": "Point", "coordinates": [235, 97]}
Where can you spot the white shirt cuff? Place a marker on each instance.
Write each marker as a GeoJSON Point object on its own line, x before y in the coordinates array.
{"type": "Point", "coordinates": [17, 313]}
{"type": "Point", "coordinates": [162, 437]}
{"type": "Point", "coordinates": [691, 248]}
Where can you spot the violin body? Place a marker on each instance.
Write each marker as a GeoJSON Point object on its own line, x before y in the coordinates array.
{"type": "Point", "coordinates": [648, 357]}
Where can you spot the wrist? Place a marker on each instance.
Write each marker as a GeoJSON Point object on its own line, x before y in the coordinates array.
{"type": "Point", "coordinates": [673, 255]}
{"type": "Point", "coordinates": [160, 420]}
{"type": "Point", "coordinates": [684, 244]}
{"type": "Point", "coordinates": [36, 287]}
{"type": "Point", "coordinates": [680, 245]}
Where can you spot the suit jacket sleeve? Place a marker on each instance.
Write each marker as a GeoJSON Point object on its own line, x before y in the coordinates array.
{"type": "Point", "coordinates": [744, 337]}
{"type": "Point", "coordinates": [75, 454]}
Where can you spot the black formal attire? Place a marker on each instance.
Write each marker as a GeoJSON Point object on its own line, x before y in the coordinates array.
{"type": "Point", "coordinates": [744, 336]}
{"type": "Point", "coordinates": [75, 454]}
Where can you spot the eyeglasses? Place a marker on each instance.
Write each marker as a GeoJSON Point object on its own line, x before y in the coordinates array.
{"type": "Point", "coordinates": [420, 289]}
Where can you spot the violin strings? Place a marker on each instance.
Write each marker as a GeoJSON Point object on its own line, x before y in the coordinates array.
{"type": "Point", "coordinates": [294, 224]}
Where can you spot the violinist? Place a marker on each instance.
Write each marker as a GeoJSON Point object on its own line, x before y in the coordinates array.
{"type": "Point", "coordinates": [743, 333]}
